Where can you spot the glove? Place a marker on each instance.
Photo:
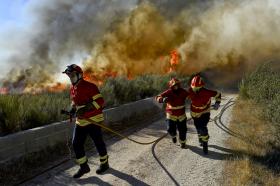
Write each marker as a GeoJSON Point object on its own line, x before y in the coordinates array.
{"type": "Point", "coordinates": [72, 112]}
{"type": "Point", "coordinates": [165, 100]}
{"type": "Point", "coordinates": [216, 106]}
{"type": "Point", "coordinates": [83, 110]}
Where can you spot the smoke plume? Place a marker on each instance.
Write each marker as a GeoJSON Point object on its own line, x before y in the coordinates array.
{"type": "Point", "coordinates": [222, 38]}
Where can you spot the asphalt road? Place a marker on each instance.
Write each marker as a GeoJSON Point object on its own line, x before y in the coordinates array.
{"type": "Point", "coordinates": [162, 163]}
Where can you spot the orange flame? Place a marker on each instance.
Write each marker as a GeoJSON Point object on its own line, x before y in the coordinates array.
{"type": "Point", "coordinates": [174, 60]}
{"type": "Point", "coordinates": [98, 78]}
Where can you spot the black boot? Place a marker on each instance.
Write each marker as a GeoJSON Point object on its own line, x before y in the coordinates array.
{"type": "Point", "coordinates": [104, 165]}
{"type": "Point", "coordinates": [174, 139]}
{"type": "Point", "coordinates": [102, 168]}
{"type": "Point", "coordinates": [183, 145]}
{"type": "Point", "coordinates": [84, 168]}
{"type": "Point", "coordinates": [205, 147]}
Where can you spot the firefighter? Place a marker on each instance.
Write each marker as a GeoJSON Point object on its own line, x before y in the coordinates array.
{"type": "Point", "coordinates": [175, 98]}
{"type": "Point", "coordinates": [200, 108]}
{"type": "Point", "coordinates": [87, 102]}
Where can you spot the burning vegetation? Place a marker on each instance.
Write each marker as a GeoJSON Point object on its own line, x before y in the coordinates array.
{"type": "Point", "coordinates": [134, 38]}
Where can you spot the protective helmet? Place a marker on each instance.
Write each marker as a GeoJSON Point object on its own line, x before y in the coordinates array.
{"type": "Point", "coordinates": [73, 68]}
{"type": "Point", "coordinates": [173, 82]}
{"type": "Point", "coordinates": [197, 82]}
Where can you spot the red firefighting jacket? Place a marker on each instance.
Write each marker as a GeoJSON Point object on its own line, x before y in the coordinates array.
{"type": "Point", "coordinates": [201, 101]}
{"type": "Point", "coordinates": [85, 92]}
{"type": "Point", "coordinates": [175, 107]}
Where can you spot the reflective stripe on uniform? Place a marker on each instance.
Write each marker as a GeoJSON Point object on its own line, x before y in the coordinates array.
{"type": "Point", "coordinates": [96, 96]}
{"type": "Point", "coordinates": [97, 118]}
{"type": "Point", "coordinates": [181, 141]}
{"type": "Point", "coordinates": [104, 159]}
{"type": "Point", "coordinates": [175, 108]}
{"type": "Point", "coordinates": [198, 114]}
{"type": "Point", "coordinates": [175, 118]}
{"type": "Point", "coordinates": [96, 104]}
{"type": "Point", "coordinates": [204, 138]}
{"type": "Point", "coordinates": [81, 160]}
{"type": "Point", "coordinates": [202, 107]}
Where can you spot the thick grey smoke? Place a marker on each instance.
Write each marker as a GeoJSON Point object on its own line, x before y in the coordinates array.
{"type": "Point", "coordinates": [120, 37]}
{"type": "Point", "coordinates": [60, 30]}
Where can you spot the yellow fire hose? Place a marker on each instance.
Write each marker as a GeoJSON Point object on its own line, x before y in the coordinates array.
{"type": "Point", "coordinates": [120, 135]}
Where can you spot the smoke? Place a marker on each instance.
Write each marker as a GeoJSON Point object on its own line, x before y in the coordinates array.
{"type": "Point", "coordinates": [59, 31]}
{"type": "Point", "coordinates": [225, 39]}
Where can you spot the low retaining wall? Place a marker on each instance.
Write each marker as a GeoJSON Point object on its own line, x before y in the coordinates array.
{"type": "Point", "coordinates": [36, 139]}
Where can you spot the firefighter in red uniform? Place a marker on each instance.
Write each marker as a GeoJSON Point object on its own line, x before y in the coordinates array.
{"type": "Point", "coordinates": [175, 98]}
{"type": "Point", "coordinates": [87, 102]}
{"type": "Point", "coordinates": [200, 108]}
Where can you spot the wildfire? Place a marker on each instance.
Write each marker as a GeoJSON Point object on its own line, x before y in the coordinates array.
{"type": "Point", "coordinates": [174, 60]}
{"type": "Point", "coordinates": [58, 87]}
{"type": "Point", "coordinates": [98, 78]}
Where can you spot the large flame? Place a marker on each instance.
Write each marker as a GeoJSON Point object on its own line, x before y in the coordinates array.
{"type": "Point", "coordinates": [174, 60]}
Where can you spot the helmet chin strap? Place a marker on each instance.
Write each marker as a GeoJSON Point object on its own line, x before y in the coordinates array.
{"type": "Point", "coordinates": [75, 79]}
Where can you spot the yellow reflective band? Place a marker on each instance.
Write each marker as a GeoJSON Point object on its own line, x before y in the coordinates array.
{"type": "Point", "coordinates": [198, 114]}
{"type": "Point", "coordinates": [205, 138]}
{"type": "Point", "coordinates": [81, 160]}
{"type": "Point", "coordinates": [182, 141]}
{"type": "Point", "coordinates": [175, 118]}
{"type": "Point", "coordinates": [175, 108]}
{"type": "Point", "coordinates": [98, 118]}
{"type": "Point", "coordinates": [97, 96]}
{"type": "Point", "coordinates": [202, 107]}
{"type": "Point", "coordinates": [104, 157]}
{"type": "Point", "coordinates": [96, 105]}
{"type": "Point", "coordinates": [103, 162]}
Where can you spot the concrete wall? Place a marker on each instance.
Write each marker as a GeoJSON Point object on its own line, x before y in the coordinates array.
{"type": "Point", "coordinates": [32, 140]}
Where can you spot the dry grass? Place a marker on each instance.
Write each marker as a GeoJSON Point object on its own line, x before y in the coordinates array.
{"type": "Point", "coordinates": [257, 159]}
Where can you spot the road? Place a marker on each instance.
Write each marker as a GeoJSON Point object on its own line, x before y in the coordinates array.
{"type": "Point", "coordinates": [162, 163]}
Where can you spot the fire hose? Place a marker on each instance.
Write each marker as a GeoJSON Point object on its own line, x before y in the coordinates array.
{"type": "Point", "coordinates": [113, 131]}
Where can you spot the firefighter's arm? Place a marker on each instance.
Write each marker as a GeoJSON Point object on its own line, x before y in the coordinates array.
{"type": "Point", "coordinates": [73, 109]}
{"type": "Point", "coordinates": [162, 98]}
{"type": "Point", "coordinates": [98, 101]}
{"type": "Point", "coordinates": [217, 97]}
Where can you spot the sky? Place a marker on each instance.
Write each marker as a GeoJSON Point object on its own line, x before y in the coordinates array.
{"type": "Point", "coordinates": [12, 17]}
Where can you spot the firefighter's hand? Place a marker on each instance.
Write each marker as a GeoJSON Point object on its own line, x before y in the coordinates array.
{"type": "Point", "coordinates": [72, 112]}
{"type": "Point", "coordinates": [216, 106]}
{"type": "Point", "coordinates": [165, 100]}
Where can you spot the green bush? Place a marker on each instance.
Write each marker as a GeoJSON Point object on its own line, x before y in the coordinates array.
{"type": "Point", "coordinates": [20, 112]}
{"type": "Point", "coordinates": [263, 86]}
{"type": "Point", "coordinates": [120, 90]}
